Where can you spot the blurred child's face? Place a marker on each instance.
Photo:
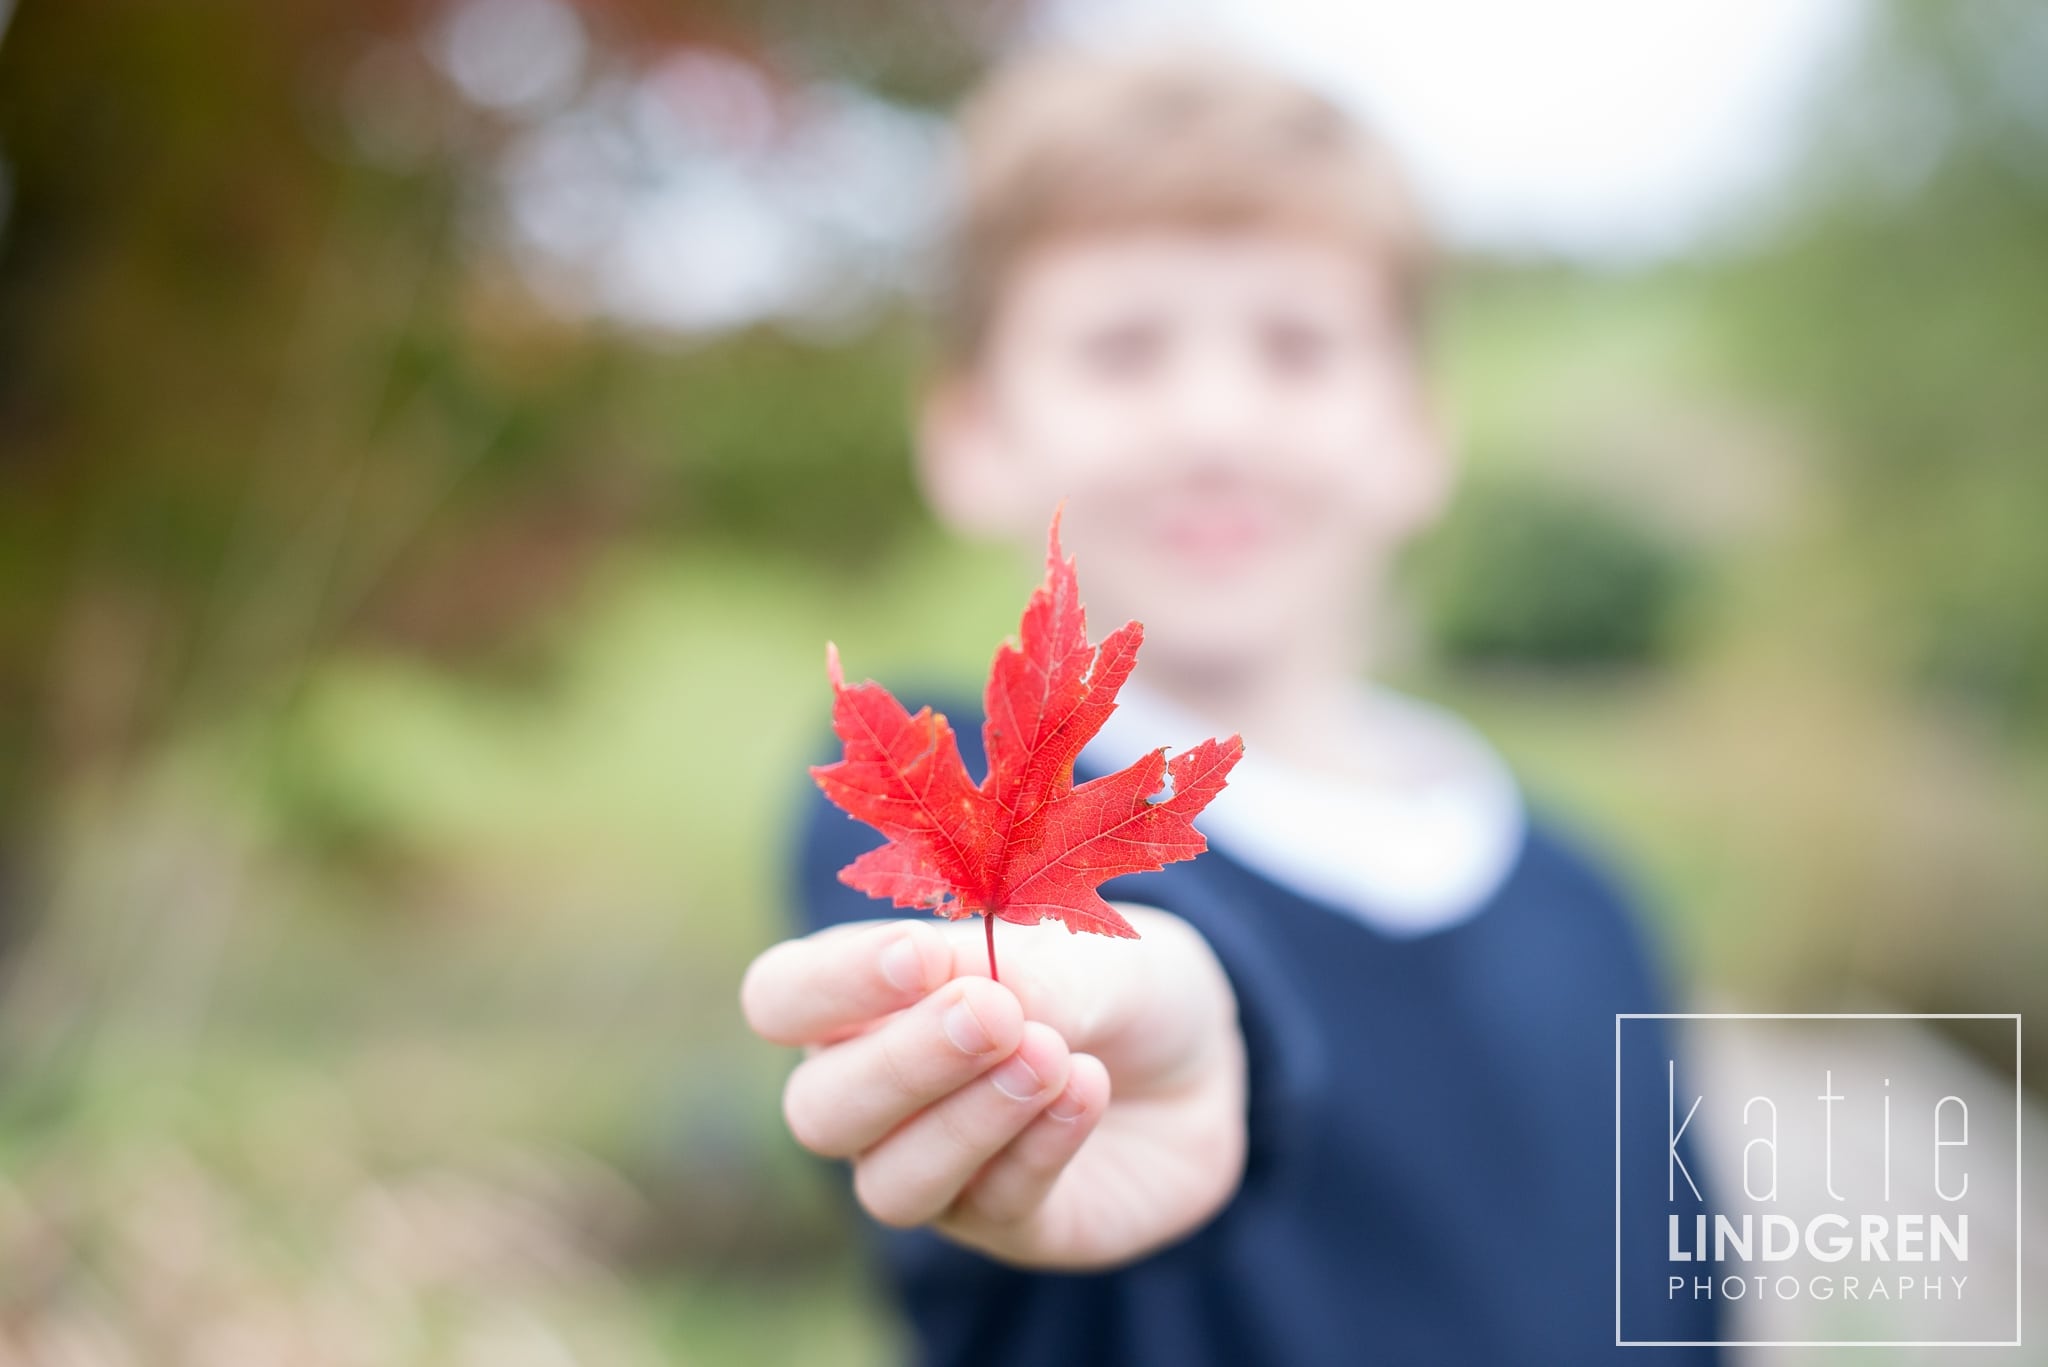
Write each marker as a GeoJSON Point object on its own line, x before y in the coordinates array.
{"type": "Point", "coordinates": [1234, 420]}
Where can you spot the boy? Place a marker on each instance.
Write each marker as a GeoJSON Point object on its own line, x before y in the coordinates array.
{"type": "Point", "coordinates": [1349, 1096]}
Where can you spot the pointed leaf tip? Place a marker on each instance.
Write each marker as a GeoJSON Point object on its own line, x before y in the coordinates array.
{"type": "Point", "coordinates": [832, 669]}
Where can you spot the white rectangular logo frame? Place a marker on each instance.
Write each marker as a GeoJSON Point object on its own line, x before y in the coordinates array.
{"type": "Point", "coordinates": [2019, 1167]}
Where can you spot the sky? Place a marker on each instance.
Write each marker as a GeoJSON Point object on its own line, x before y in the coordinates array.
{"type": "Point", "coordinates": [1594, 129]}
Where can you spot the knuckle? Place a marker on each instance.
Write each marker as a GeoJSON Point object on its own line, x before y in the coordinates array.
{"type": "Point", "coordinates": [997, 1008]}
{"type": "Point", "coordinates": [751, 990]}
{"type": "Point", "coordinates": [995, 1197]}
{"type": "Point", "coordinates": [804, 1118]}
{"type": "Point", "coordinates": [896, 1051]}
{"type": "Point", "coordinates": [1009, 1193]}
{"type": "Point", "coordinates": [886, 1201]}
{"type": "Point", "coordinates": [1025, 1170]}
{"type": "Point", "coordinates": [934, 955]}
{"type": "Point", "coordinates": [1047, 1044]}
{"type": "Point", "coordinates": [760, 990]}
{"type": "Point", "coordinates": [956, 1138]}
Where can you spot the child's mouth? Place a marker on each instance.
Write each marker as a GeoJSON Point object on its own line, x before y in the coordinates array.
{"type": "Point", "coordinates": [1214, 534]}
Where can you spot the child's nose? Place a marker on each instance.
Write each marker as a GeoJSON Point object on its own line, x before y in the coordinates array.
{"type": "Point", "coordinates": [1221, 400]}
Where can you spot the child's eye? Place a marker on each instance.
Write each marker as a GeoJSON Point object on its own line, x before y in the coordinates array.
{"type": "Point", "coordinates": [1297, 348]}
{"type": "Point", "coordinates": [1123, 351]}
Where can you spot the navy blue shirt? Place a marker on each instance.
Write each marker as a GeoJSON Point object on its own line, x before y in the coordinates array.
{"type": "Point", "coordinates": [1431, 1122]}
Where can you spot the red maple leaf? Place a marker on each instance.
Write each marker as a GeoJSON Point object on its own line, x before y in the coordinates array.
{"type": "Point", "coordinates": [1024, 843]}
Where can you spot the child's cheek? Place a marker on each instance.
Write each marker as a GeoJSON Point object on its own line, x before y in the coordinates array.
{"type": "Point", "coordinates": [1073, 435]}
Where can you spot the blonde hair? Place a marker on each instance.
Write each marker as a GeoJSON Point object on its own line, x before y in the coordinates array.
{"type": "Point", "coordinates": [1067, 141]}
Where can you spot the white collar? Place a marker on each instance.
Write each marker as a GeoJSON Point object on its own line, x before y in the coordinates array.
{"type": "Point", "coordinates": [1406, 861]}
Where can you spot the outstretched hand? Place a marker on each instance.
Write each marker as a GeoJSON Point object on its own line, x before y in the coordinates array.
{"type": "Point", "coordinates": [1085, 1111]}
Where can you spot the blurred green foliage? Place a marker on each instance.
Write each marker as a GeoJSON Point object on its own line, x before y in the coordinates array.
{"type": "Point", "coordinates": [829, 479]}
{"type": "Point", "coordinates": [1526, 571]}
{"type": "Point", "coordinates": [1902, 304]}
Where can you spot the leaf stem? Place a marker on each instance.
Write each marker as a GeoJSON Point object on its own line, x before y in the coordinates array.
{"type": "Point", "coordinates": [988, 921]}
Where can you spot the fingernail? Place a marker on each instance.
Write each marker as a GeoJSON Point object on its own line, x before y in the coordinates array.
{"type": "Point", "coordinates": [966, 1032]}
{"type": "Point", "coordinates": [1016, 1079]}
{"type": "Point", "coordinates": [903, 966]}
{"type": "Point", "coordinates": [1068, 1107]}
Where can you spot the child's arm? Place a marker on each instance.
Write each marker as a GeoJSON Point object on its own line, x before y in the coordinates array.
{"type": "Point", "coordinates": [911, 1072]}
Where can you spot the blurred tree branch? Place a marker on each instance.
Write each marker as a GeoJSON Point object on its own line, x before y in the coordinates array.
{"type": "Point", "coordinates": [269, 384]}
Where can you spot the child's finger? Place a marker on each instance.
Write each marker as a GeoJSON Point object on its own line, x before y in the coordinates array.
{"type": "Point", "coordinates": [1017, 1180]}
{"type": "Point", "coordinates": [913, 1174]}
{"type": "Point", "coordinates": [842, 1099]}
{"type": "Point", "coordinates": [827, 984]}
